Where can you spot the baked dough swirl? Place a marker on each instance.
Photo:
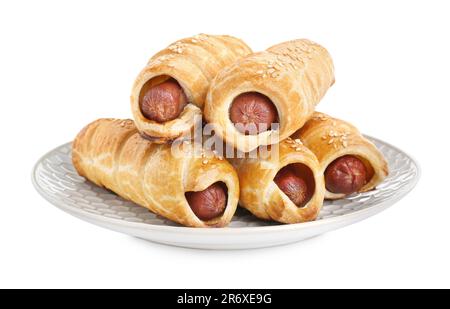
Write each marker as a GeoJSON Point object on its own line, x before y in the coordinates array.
{"type": "Point", "coordinates": [260, 193]}
{"type": "Point", "coordinates": [294, 75]}
{"type": "Point", "coordinates": [331, 138]}
{"type": "Point", "coordinates": [192, 62]}
{"type": "Point", "coordinates": [112, 154]}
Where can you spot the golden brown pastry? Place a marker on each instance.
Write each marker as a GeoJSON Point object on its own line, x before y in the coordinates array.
{"type": "Point", "coordinates": [192, 188]}
{"type": "Point", "coordinates": [285, 186]}
{"type": "Point", "coordinates": [349, 161]}
{"type": "Point", "coordinates": [280, 85]}
{"type": "Point", "coordinates": [168, 95]}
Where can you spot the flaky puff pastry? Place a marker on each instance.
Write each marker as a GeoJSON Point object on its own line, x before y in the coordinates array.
{"type": "Point", "coordinates": [330, 138]}
{"type": "Point", "coordinates": [261, 195]}
{"type": "Point", "coordinates": [294, 75]}
{"type": "Point", "coordinates": [112, 154]}
{"type": "Point", "coordinates": [193, 62]}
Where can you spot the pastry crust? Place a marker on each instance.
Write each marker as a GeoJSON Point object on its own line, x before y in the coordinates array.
{"type": "Point", "coordinates": [193, 62]}
{"type": "Point", "coordinates": [330, 138]}
{"type": "Point", "coordinates": [261, 195]}
{"type": "Point", "coordinates": [295, 75]}
{"type": "Point", "coordinates": [112, 154]}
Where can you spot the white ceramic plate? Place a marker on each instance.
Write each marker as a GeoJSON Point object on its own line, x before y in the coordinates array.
{"type": "Point", "coordinates": [57, 181]}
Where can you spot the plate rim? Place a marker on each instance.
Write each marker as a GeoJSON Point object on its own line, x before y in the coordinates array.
{"type": "Point", "coordinates": [227, 230]}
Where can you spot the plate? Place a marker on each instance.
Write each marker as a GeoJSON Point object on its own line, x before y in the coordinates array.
{"type": "Point", "coordinates": [57, 181]}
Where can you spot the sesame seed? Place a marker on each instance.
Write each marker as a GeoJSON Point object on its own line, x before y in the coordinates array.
{"type": "Point", "coordinates": [331, 141]}
{"type": "Point", "coordinates": [324, 137]}
{"type": "Point", "coordinates": [298, 141]}
{"type": "Point", "coordinates": [298, 149]}
{"type": "Point", "coordinates": [345, 144]}
{"type": "Point", "coordinates": [205, 161]}
{"type": "Point", "coordinates": [270, 71]}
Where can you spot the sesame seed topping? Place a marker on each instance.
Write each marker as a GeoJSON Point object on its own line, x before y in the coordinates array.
{"type": "Point", "coordinates": [320, 117]}
{"type": "Point", "coordinates": [331, 141]}
{"type": "Point", "coordinates": [205, 162]}
{"type": "Point", "coordinates": [298, 149]}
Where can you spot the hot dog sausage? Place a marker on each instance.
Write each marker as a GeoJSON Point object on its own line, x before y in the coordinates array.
{"type": "Point", "coordinates": [209, 203]}
{"type": "Point", "coordinates": [163, 102]}
{"type": "Point", "coordinates": [292, 185]}
{"type": "Point", "coordinates": [253, 113]}
{"type": "Point", "coordinates": [345, 175]}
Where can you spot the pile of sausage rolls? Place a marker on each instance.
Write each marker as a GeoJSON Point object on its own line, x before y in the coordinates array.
{"type": "Point", "coordinates": [250, 100]}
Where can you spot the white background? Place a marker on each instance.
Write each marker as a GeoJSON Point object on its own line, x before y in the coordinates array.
{"type": "Point", "coordinates": [63, 64]}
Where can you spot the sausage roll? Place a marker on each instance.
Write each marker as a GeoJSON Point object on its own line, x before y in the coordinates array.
{"type": "Point", "coordinates": [195, 189]}
{"type": "Point", "coordinates": [284, 185]}
{"type": "Point", "coordinates": [168, 95]}
{"type": "Point", "coordinates": [349, 161]}
{"type": "Point", "coordinates": [265, 97]}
